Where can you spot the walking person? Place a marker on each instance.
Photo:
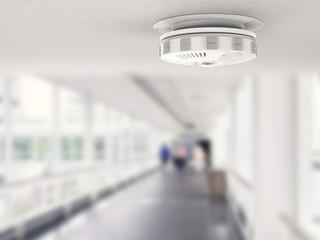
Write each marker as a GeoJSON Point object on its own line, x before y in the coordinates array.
{"type": "Point", "coordinates": [165, 154]}
{"type": "Point", "coordinates": [180, 158]}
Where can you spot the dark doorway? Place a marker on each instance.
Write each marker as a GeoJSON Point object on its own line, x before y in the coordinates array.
{"type": "Point", "coordinates": [206, 146]}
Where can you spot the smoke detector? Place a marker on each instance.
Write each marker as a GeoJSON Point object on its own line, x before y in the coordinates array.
{"type": "Point", "coordinates": [208, 39]}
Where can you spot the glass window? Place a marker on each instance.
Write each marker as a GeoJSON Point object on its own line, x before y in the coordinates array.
{"type": "Point", "coordinates": [72, 112]}
{"type": "Point", "coordinates": [99, 148]}
{"type": "Point", "coordinates": [72, 147]}
{"type": "Point", "coordinates": [32, 115]}
{"type": "Point", "coordinates": [100, 119]}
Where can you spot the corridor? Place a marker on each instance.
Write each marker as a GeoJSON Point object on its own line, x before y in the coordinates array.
{"type": "Point", "coordinates": [165, 205]}
{"type": "Point", "coordinates": [100, 101]}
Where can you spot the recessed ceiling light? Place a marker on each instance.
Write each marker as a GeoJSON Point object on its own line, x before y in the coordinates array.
{"type": "Point", "coordinates": [208, 40]}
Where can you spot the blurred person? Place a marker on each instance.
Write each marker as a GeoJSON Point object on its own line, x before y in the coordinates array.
{"type": "Point", "coordinates": [165, 154]}
{"type": "Point", "coordinates": [180, 157]}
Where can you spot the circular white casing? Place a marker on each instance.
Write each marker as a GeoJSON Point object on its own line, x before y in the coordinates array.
{"type": "Point", "coordinates": [203, 43]}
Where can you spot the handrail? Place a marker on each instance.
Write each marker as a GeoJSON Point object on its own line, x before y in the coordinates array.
{"type": "Point", "coordinates": [244, 182]}
{"type": "Point", "coordinates": [298, 232]}
{"type": "Point", "coordinates": [50, 176]}
{"type": "Point", "coordinates": [19, 224]}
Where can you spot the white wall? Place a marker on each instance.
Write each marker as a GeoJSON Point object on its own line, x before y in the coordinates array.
{"type": "Point", "coordinates": [275, 155]}
{"type": "Point", "coordinates": [241, 174]}
{"type": "Point", "coordinates": [221, 140]}
{"type": "Point", "coordinates": [308, 123]}
{"type": "Point", "coordinates": [233, 146]}
{"type": "Point", "coordinates": [262, 154]}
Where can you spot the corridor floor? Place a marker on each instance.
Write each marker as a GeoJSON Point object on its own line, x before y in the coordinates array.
{"type": "Point", "coordinates": [167, 205]}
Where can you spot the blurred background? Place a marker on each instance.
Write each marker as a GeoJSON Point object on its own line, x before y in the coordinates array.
{"type": "Point", "coordinates": [99, 139]}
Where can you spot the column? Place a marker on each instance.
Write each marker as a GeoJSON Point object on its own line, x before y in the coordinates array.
{"type": "Point", "coordinates": [274, 154]}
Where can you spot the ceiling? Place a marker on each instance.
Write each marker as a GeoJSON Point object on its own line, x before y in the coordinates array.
{"type": "Point", "coordinates": [103, 46]}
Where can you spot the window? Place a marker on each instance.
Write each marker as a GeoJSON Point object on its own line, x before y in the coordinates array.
{"type": "Point", "coordinates": [72, 112]}
{"type": "Point", "coordinates": [99, 122]}
{"type": "Point", "coordinates": [115, 128]}
{"type": "Point", "coordinates": [99, 148]}
{"type": "Point", "coordinates": [22, 148]}
{"type": "Point", "coordinates": [32, 114]}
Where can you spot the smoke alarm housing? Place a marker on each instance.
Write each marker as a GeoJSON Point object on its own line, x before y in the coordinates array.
{"type": "Point", "coordinates": [208, 39]}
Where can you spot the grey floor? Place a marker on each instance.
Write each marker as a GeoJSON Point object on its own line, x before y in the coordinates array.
{"type": "Point", "coordinates": [165, 206]}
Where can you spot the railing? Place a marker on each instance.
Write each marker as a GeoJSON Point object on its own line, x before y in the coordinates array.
{"type": "Point", "coordinates": [239, 184]}
{"type": "Point", "coordinates": [291, 231]}
{"type": "Point", "coordinates": [244, 182]}
{"type": "Point", "coordinates": [24, 200]}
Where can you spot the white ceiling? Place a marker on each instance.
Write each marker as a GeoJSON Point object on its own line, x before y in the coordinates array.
{"type": "Point", "coordinates": [97, 45]}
